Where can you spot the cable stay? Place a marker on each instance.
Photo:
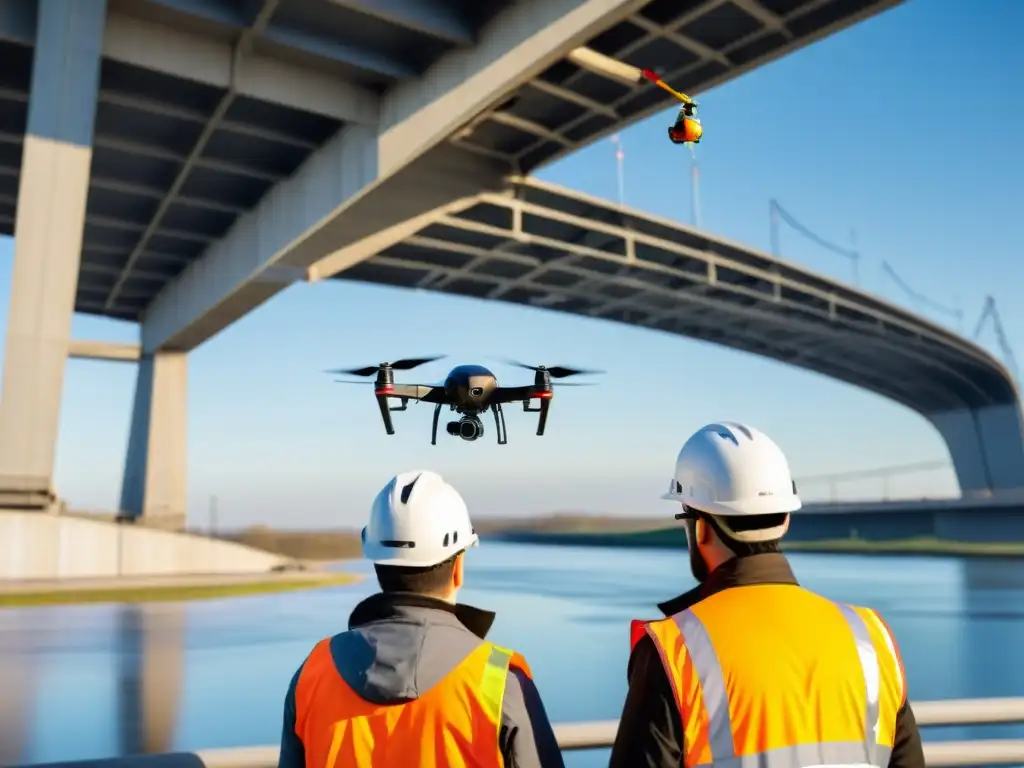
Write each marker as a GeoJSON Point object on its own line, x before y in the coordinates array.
{"type": "Point", "coordinates": [778, 213]}
{"type": "Point", "coordinates": [991, 313]}
{"type": "Point", "coordinates": [919, 298]}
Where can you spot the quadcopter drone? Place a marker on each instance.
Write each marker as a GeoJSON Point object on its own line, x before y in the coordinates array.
{"type": "Point", "coordinates": [469, 390]}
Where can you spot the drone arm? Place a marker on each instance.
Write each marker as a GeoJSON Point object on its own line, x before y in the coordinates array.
{"type": "Point", "coordinates": [422, 392]}
{"type": "Point", "coordinates": [513, 394]}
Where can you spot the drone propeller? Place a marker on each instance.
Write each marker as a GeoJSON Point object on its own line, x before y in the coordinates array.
{"type": "Point", "coordinates": [555, 371]}
{"type": "Point", "coordinates": [399, 365]}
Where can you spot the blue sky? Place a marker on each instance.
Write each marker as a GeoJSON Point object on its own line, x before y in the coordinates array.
{"type": "Point", "coordinates": [904, 129]}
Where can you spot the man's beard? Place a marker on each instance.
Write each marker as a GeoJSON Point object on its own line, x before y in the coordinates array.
{"type": "Point", "coordinates": [698, 567]}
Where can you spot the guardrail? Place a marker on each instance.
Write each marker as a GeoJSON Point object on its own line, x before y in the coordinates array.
{"type": "Point", "coordinates": [832, 480]}
{"type": "Point", "coordinates": [599, 735]}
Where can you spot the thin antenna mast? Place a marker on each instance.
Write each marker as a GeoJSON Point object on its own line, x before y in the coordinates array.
{"type": "Point", "coordinates": [855, 257]}
{"type": "Point", "coordinates": [773, 215]}
{"type": "Point", "coordinates": [695, 192]}
{"type": "Point", "coordinates": [620, 157]}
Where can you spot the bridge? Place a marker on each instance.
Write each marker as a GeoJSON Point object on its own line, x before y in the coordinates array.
{"type": "Point", "coordinates": [175, 163]}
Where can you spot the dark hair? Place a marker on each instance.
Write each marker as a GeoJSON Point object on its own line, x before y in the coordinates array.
{"type": "Point", "coordinates": [424, 580]}
{"type": "Point", "coordinates": [741, 523]}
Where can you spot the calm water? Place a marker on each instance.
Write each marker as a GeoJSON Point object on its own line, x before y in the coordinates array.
{"type": "Point", "coordinates": [215, 672]}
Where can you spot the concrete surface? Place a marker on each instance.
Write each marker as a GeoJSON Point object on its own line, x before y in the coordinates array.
{"type": "Point", "coordinates": [179, 581]}
{"type": "Point", "coordinates": [37, 546]}
{"type": "Point", "coordinates": [50, 221]}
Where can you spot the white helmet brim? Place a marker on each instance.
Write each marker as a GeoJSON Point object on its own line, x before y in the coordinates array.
{"type": "Point", "coordinates": [381, 554]}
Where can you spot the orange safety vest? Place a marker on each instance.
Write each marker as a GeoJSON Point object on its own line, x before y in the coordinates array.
{"type": "Point", "coordinates": [806, 682]}
{"type": "Point", "coordinates": [456, 723]}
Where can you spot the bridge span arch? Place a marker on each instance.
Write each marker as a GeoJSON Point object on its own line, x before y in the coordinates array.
{"type": "Point", "coordinates": [542, 245]}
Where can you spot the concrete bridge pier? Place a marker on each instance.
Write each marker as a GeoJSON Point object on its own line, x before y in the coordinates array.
{"type": "Point", "coordinates": [986, 446]}
{"type": "Point", "coordinates": [49, 227]}
{"type": "Point", "coordinates": [155, 485]}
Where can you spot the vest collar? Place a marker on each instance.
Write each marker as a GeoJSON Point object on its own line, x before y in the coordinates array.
{"type": "Point", "coordinates": [769, 568]}
{"type": "Point", "coordinates": [391, 605]}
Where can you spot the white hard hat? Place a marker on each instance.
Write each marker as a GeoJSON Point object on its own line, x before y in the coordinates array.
{"type": "Point", "coordinates": [734, 470]}
{"type": "Point", "coordinates": [417, 520]}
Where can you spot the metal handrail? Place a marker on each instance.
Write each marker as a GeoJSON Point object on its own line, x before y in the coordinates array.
{"type": "Point", "coordinates": [601, 735]}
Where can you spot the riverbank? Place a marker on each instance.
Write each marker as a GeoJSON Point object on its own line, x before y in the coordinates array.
{"type": "Point", "coordinates": [675, 538]}
{"type": "Point", "coordinates": [334, 545]}
{"type": "Point", "coordinates": [46, 592]}
{"type": "Point", "coordinates": [608, 531]}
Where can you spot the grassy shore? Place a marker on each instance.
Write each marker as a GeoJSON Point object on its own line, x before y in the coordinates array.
{"type": "Point", "coordinates": [136, 592]}
{"type": "Point", "coordinates": [332, 545]}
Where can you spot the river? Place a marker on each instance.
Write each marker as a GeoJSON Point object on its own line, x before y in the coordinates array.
{"type": "Point", "coordinates": [216, 670]}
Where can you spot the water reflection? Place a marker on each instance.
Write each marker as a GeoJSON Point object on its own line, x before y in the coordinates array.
{"type": "Point", "coordinates": [17, 700]}
{"type": "Point", "coordinates": [149, 648]}
{"type": "Point", "coordinates": [96, 681]}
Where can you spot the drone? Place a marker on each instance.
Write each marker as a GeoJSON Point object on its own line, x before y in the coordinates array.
{"type": "Point", "coordinates": [687, 128]}
{"type": "Point", "coordinates": [468, 390]}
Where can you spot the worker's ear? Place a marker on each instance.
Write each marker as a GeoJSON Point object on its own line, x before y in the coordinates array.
{"type": "Point", "coordinates": [458, 572]}
{"type": "Point", "coordinates": [705, 533]}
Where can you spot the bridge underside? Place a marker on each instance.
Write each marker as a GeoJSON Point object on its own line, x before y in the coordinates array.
{"type": "Point", "coordinates": [178, 162]}
{"type": "Point", "coordinates": [543, 246]}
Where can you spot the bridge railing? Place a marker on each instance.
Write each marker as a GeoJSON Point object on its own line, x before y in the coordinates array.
{"type": "Point", "coordinates": [598, 735]}
{"type": "Point", "coordinates": [834, 482]}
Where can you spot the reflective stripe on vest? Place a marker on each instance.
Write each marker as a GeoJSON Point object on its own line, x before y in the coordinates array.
{"type": "Point", "coordinates": [721, 740]}
{"type": "Point", "coordinates": [492, 682]}
{"type": "Point", "coordinates": [456, 723]}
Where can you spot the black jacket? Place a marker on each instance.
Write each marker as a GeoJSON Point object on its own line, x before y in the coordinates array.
{"type": "Point", "coordinates": [651, 732]}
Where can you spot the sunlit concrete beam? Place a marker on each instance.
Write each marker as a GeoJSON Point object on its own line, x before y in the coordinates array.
{"type": "Point", "coordinates": [102, 350]}
{"type": "Point", "coordinates": [380, 241]}
{"type": "Point", "coordinates": [516, 46]}
{"type": "Point", "coordinates": [364, 181]}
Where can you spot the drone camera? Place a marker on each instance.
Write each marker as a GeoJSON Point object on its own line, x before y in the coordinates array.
{"type": "Point", "coordinates": [476, 391]}
{"type": "Point", "coordinates": [469, 428]}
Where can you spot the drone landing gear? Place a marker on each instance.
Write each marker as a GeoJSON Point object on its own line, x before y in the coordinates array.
{"type": "Point", "coordinates": [542, 420]}
{"type": "Point", "coordinates": [433, 428]}
{"type": "Point", "coordinates": [499, 424]}
{"type": "Point", "coordinates": [386, 409]}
